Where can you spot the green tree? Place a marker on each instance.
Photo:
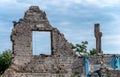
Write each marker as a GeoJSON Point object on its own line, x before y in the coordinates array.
{"type": "Point", "coordinates": [5, 60]}
{"type": "Point", "coordinates": [81, 49]}
{"type": "Point", "coordinates": [92, 52]}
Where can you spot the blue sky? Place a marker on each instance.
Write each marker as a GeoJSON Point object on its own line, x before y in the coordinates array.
{"type": "Point", "coordinates": [74, 18]}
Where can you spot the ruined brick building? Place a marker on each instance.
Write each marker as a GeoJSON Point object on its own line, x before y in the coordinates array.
{"type": "Point", "coordinates": [63, 62]}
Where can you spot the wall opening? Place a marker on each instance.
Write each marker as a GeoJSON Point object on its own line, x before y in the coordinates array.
{"type": "Point", "coordinates": [41, 43]}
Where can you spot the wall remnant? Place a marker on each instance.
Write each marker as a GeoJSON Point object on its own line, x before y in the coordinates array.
{"type": "Point", "coordinates": [63, 62]}
{"type": "Point", "coordinates": [24, 64]}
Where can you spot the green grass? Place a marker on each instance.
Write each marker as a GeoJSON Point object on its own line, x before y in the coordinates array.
{"type": "Point", "coordinates": [0, 75]}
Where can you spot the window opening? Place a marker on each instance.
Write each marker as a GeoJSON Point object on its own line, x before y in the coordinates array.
{"type": "Point", "coordinates": [41, 43]}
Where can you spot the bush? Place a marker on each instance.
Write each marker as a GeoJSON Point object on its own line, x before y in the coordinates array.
{"type": "Point", "coordinates": [0, 75]}
{"type": "Point", "coordinates": [5, 60]}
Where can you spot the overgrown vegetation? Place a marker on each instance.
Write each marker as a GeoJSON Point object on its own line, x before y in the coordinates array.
{"type": "Point", "coordinates": [81, 49]}
{"type": "Point", "coordinates": [5, 60]}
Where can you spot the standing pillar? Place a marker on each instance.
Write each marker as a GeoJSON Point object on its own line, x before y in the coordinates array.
{"type": "Point", "coordinates": [98, 36]}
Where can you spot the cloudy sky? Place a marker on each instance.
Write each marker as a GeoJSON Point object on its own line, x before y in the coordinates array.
{"type": "Point", "coordinates": [74, 18]}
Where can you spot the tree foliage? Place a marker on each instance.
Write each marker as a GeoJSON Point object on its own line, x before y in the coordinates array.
{"type": "Point", "coordinates": [92, 52]}
{"type": "Point", "coordinates": [5, 60]}
{"type": "Point", "coordinates": [81, 49]}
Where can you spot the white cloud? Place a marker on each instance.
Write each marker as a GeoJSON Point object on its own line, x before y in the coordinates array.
{"type": "Point", "coordinates": [13, 3]}
{"type": "Point", "coordinates": [71, 16]}
{"type": "Point", "coordinates": [112, 40]}
{"type": "Point", "coordinates": [4, 28]}
{"type": "Point", "coordinates": [59, 3]}
{"type": "Point", "coordinates": [103, 3]}
{"type": "Point", "coordinates": [47, 3]}
{"type": "Point", "coordinates": [69, 2]}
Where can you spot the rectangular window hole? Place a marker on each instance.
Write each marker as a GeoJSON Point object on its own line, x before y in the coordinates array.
{"type": "Point", "coordinates": [41, 42]}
